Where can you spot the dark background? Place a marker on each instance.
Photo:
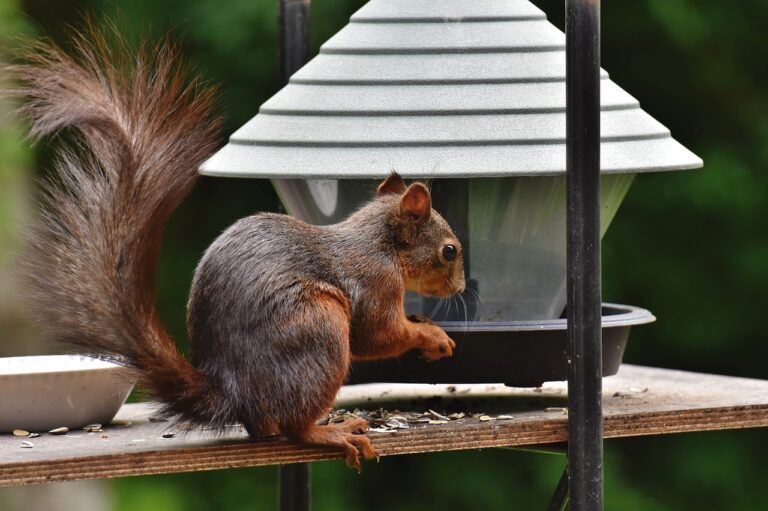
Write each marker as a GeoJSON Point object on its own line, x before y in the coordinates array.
{"type": "Point", "coordinates": [690, 246]}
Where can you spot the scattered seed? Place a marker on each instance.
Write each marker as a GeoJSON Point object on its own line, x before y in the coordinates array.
{"type": "Point", "coordinates": [397, 424]}
{"type": "Point", "coordinates": [436, 415]}
{"type": "Point", "coordinates": [382, 430]}
{"type": "Point", "coordinates": [59, 431]}
{"type": "Point", "coordinates": [169, 435]}
{"type": "Point", "coordinates": [485, 418]}
{"type": "Point", "coordinates": [27, 445]}
{"type": "Point", "coordinates": [104, 436]}
{"type": "Point", "coordinates": [633, 391]}
{"type": "Point", "coordinates": [20, 432]}
{"type": "Point", "coordinates": [504, 417]}
{"type": "Point", "coordinates": [34, 435]}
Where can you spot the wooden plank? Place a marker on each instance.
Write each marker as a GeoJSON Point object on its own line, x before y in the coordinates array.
{"type": "Point", "coordinates": [443, 11]}
{"type": "Point", "coordinates": [363, 100]}
{"type": "Point", "coordinates": [438, 130]}
{"type": "Point", "coordinates": [638, 401]}
{"type": "Point", "coordinates": [441, 38]}
{"type": "Point", "coordinates": [239, 160]}
{"type": "Point", "coordinates": [429, 69]}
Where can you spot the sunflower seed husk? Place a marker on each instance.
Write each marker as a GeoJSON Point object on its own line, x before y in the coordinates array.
{"type": "Point", "coordinates": [437, 416]}
{"type": "Point", "coordinates": [59, 431]}
{"type": "Point", "coordinates": [93, 428]}
{"type": "Point", "coordinates": [439, 421]}
{"type": "Point", "coordinates": [396, 424]}
{"type": "Point", "coordinates": [485, 418]}
{"type": "Point", "coordinates": [34, 435]}
{"type": "Point", "coordinates": [504, 417]}
{"type": "Point", "coordinates": [456, 416]}
{"type": "Point", "coordinates": [20, 432]}
{"type": "Point", "coordinates": [556, 409]}
{"type": "Point", "coordinates": [27, 444]}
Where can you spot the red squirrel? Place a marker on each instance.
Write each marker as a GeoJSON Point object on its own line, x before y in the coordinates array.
{"type": "Point", "coordinates": [278, 308]}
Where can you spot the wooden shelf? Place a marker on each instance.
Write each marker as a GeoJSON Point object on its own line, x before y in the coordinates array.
{"type": "Point", "coordinates": [638, 401]}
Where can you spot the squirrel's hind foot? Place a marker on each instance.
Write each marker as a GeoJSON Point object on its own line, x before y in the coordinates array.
{"type": "Point", "coordinates": [347, 435]}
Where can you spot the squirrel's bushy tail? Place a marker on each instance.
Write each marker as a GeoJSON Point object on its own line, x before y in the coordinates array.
{"type": "Point", "coordinates": [139, 131]}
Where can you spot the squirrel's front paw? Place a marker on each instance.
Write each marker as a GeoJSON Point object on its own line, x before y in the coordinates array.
{"type": "Point", "coordinates": [418, 318]}
{"type": "Point", "coordinates": [437, 344]}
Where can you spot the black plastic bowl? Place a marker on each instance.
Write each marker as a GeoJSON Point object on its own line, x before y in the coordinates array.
{"type": "Point", "coordinates": [517, 353]}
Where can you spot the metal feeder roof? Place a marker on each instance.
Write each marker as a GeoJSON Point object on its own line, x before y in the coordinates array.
{"type": "Point", "coordinates": [438, 88]}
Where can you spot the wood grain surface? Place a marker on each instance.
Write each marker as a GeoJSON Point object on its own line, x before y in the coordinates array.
{"type": "Point", "coordinates": [638, 401]}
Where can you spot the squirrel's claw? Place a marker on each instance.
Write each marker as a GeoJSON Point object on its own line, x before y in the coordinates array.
{"type": "Point", "coordinates": [441, 347]}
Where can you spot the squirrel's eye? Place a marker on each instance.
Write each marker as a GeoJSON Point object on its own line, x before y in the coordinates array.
{"type": "Point", "coordinates": [449, 252]}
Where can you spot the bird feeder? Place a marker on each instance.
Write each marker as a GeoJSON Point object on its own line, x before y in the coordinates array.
{"type": "Point", "coordinates": [471, 95]}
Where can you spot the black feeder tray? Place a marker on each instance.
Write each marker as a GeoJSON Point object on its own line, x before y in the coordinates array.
{"type": "Point", "coordinates": [515, 353]}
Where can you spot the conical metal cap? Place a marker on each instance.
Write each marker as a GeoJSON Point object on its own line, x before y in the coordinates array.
{"type": "Point", "coordinates": [430, 88]}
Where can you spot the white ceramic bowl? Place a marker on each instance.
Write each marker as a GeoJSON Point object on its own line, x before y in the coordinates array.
{"type": "Point", "coordinates": [40, 393]}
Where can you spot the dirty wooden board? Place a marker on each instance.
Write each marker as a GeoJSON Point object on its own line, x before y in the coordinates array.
{"type": "Point", "coordinates": [638, 401]}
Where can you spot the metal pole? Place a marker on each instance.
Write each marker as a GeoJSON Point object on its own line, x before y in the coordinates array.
{"type": "Point", "coordinates": [295, 487]}
{"type": "Point", "coordinates": [293, 22]}
{"type": "Point", "coordinates": [585, 427]}
{"type": "Point", "coordinates": [294, 36]}
{"type": "Point", "coordinates": [559, 500]}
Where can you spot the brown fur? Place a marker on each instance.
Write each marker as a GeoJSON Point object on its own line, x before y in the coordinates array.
{"type": "Point", "coordinates": [278, 308]}
{"type": "Point", "coordinates": [142, 128]}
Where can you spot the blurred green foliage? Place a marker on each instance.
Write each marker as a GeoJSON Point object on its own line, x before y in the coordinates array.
{"type": "Point", "coordinates": [692, 247]}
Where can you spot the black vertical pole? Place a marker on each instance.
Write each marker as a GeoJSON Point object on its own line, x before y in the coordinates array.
{"type": "Point", "coordinates": [294, 36]}
{"type": "Point", "coordinates": [585, 428]}
{"type": "Point", "coordinates": [295, 488]}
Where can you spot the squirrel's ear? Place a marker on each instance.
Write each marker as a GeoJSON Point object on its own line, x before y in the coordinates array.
{"type": "Point", "coordinates": [393, 184]}
{"type": "Point", "coordinates": [416, 202]}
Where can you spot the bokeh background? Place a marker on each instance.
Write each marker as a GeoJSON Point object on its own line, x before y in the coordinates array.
{"type": "Point", "coordinates": [692, 247]}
